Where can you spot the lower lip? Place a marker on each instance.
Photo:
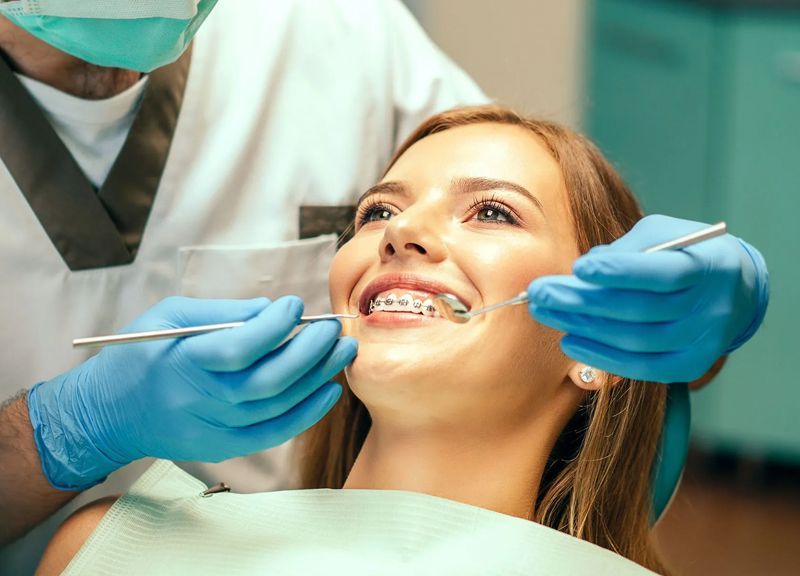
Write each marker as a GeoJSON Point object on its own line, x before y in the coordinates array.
{"type": "Point", "coordinates": [380, 318]}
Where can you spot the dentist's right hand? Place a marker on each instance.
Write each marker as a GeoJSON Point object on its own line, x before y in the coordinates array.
{"type": "Point", "coordinates": [206, 398]}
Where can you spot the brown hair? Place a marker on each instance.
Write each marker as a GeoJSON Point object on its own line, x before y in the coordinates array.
{"type": "Point", "coordinates": [597, 484]}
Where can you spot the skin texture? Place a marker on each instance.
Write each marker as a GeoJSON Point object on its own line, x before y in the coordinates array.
{"type": "Point", "coordinates": [27, 497]}
{"type": "Point", "coordinates": [71, 536]}
{"type": "Point", "coordinates": [440, 413]}
{"type": "Point", "coordinates": [38, 60]}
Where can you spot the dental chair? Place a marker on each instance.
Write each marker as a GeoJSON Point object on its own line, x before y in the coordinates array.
{"type": "Point", "coordinates": [671, 457]}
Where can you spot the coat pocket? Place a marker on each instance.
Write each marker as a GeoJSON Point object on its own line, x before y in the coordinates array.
{"type": "Point", "coordinates": [298, 267]}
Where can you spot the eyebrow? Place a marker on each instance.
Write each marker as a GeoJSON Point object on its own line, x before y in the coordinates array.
{"type": "Point", "coordinates": [459, 186]}
{"type": "Point", "coordinates": [394, 187]}
{"type": "Point", "coordinates": [472, 185]}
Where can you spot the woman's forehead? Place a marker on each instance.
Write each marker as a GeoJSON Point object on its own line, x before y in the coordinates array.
{"type": "Point", "coordinates": [486, 150]}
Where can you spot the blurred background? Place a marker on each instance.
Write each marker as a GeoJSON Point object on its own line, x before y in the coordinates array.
{"type": "Point", "coordinates": [697, 102]}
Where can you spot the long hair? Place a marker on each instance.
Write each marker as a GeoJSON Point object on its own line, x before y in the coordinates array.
{"type": "Point", "coordinates": [597, 483]}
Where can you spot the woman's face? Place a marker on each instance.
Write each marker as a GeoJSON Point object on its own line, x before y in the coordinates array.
{"type": "Point", "coordinates": [478, 211]}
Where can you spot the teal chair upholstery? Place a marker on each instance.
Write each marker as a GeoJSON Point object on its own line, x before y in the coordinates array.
{"type": "Point", "coordinates": [671, 457]}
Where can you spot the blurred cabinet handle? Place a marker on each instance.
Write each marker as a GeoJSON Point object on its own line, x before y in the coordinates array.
{"type": "Point", "coordinates": [787, 64]}
{"type": "Point", "coordinates": [640, 43]}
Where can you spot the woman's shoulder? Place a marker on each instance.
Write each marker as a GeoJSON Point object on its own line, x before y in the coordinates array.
{"type": "Point", "coordinates": [72, 534]}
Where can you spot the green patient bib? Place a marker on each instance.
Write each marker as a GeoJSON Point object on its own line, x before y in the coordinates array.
{"type": "Point", "coordinates": [164, 526]}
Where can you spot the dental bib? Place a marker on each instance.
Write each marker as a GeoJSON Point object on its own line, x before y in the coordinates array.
{"type": "Point", "coordinates": [164, 525]}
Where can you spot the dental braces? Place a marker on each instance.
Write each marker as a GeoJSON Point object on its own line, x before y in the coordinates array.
{"type": "Point", "coordinates": [407, 301]}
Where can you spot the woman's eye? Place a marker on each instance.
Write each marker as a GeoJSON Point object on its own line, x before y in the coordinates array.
{"type": "Point", "coordinates": [492, 214]}
{"type": "Point", "coordinates": [375, 214]}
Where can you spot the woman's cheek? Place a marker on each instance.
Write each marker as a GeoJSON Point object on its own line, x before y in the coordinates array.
{"type": "Point", "coordinates": [509, 266]}
{"type": "Point", "coordinates": [349, 264]}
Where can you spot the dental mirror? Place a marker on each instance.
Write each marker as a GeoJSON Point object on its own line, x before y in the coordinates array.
{"type": "Point", "coordinates": [453, 309]}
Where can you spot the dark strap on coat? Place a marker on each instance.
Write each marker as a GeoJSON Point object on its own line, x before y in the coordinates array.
{"type": "Point", "coordinates": [91, 229]}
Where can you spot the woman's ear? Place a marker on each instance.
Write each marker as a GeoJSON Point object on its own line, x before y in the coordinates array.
{"type": "Point", "coordinates": [590, 378]}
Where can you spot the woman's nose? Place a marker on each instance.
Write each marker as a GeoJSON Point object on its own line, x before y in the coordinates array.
{"type": "Point", "coordinates": [410, 235]}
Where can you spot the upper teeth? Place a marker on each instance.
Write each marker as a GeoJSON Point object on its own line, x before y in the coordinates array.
{"type": "Point", "coordinates": [405, 303]}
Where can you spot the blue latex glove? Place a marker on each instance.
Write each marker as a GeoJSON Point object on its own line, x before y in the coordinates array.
{"type": "Point", "coordinates": [207, 398]}
{"type": "Point", "coordinates": [665, 316]}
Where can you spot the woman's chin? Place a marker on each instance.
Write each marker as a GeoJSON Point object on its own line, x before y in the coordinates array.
{"type": "Point", "coordinates": [398, 360]}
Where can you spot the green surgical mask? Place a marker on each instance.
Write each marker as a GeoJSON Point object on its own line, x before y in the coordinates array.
{"type": "Point", "coordinates": [133, 34]}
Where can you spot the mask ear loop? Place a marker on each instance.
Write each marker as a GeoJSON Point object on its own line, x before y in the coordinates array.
{"type": "Point", "coordinates": [673, 449]}
{"type": "Point", "coordinates": [346, 234]}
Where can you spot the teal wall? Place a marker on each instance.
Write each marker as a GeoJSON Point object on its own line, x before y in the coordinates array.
{"type": "Point", "coordinates": [699, 108]}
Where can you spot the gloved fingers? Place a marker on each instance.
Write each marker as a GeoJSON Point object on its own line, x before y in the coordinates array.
{"type": "Point", "coordinates": [288, 425]}
{"type": "Point", "coordinates": [315, 348]}
{"type": "Point", "coordinates": [681, 366]}
{"type": "Point", "coordinates": [667, 271]}
{"type": "Point", "coordinates": [255, 411]}
{"type": "Point", "coordinates": [238, 348]}
{"type": "Point", "coordinates": [628, 336]}
{"type": "Point", "coordinates": [571, 294]}
{"type": "Point", "coordinates": [181, 312]}
{"type": "Point", "coordinates": [259, 395]}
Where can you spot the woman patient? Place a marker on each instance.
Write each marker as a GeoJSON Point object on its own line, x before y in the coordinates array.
{"type": "Point", "coordinates": [461, 448]}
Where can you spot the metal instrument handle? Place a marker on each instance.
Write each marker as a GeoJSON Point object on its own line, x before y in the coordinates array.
{"type": "Point", "coordinates": [97, 341]}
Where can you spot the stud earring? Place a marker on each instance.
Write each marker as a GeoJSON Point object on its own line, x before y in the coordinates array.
{"type": "Point", "coordinates": [588, 374]}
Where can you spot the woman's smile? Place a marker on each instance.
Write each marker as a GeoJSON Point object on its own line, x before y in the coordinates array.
{"type": "Point", "coordinates": [403, 299]}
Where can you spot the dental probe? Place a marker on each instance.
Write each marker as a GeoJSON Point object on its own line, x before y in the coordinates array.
{"type": "Point", "coordinates": [97, 341]}
{"type": "Point", "coordinates": [453, 309]}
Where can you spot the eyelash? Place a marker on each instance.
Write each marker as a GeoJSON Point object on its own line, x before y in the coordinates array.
{"type": "Point", "coordinates": [369, 207]}
{"type": "Point", "coordinates": [492, 203]}
{"type": "Point", "coordinates": [373, 205]}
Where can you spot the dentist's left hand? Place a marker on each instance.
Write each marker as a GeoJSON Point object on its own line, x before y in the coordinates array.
{"type": "Point", "coordinates": [664, 316]}
{"type": "Point", "coordinates": [206, 398]}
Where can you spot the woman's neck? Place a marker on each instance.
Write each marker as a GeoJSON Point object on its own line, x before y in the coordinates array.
{"type": "Point", "coordinates": [38, 60]}
{"type": "Point", "coordinates": [499, 470]}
